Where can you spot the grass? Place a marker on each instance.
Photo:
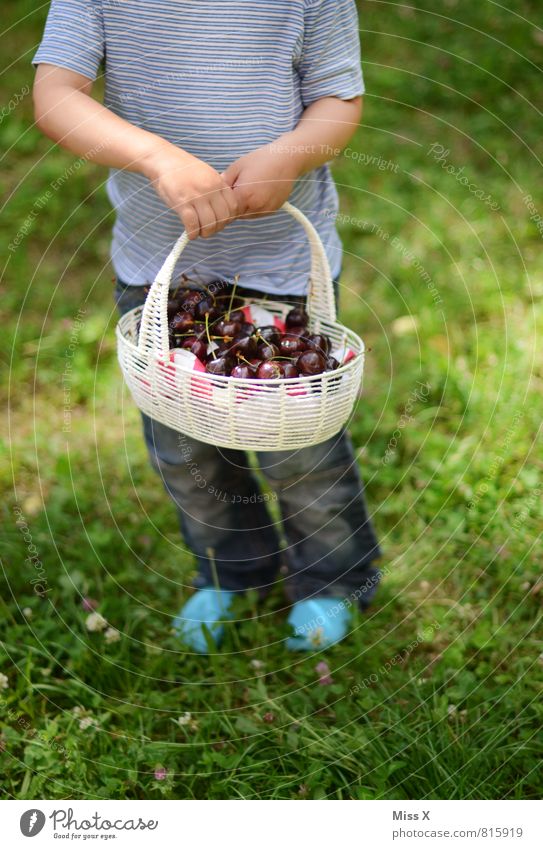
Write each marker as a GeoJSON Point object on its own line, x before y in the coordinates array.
{"type": "Point", "coordinates": [437, 694]}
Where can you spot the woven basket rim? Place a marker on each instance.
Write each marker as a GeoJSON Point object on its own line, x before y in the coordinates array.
{"type": "Point", "coordinates": [201, 375]}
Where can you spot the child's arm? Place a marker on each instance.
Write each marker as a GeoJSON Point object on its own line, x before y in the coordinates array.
{"type": "Point", "coordinates": [263, 179]}
{"type": "Point", "coordinates": [67, 114]}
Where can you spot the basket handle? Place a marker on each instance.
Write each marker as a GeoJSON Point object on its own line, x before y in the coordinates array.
{"type": "Point", "coordinates": [154, 320]}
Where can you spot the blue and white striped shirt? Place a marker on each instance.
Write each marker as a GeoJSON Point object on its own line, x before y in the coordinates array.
{"type": "Point", "coordinates": [218, 78]}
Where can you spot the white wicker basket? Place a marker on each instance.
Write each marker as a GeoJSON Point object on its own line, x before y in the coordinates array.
{"type": "Point", "coordinates": [247, 414]}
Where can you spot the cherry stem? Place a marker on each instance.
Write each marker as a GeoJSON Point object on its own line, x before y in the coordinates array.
{"type": "Point", "coordinates": [236, 278]}
{"type": "Point", "coordinates": [258, 336]}
{"type": "Point", "coordinates": [209, 337]}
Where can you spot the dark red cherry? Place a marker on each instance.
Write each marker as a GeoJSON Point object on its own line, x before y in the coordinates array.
{"type": "Point", "coordinates": [173, 306]}
{"type": "Point", "coordinates": [206, 307]}
{"type": "Point", "coordinates": [297, 317]}
{"type": "Point", "coordinates": [199, 349]}
{"type": "Point", "coordinates": [223, 327]}
{"type": "Point", "coordinates": [269, 370]}
{"type": "Point", "coordinates": [247, 329]}
{"type": "Point", "coordinates": [244, 345]}
{"type": "Point", "coordinates": [242, 370]}
{"type": "Point", "coordinates": [182, 322]}
{"type": "Point", "coordinates": [318, 342]}
{"type": "Point", "coordinates": [331, 364]}
{"type": "Point", "coordinates": [298, 330]}
{"type": "Point", "coordinates": [270, 334]}
{"type": "Point", "coordinates": [291, 345]}
{"type": "Point", "coordinates": [220, 365]}
{"type": "Point", "coordinates": [237, 315]}
{"type": "Point", "coordinates": [254, 364]}
{"type": "Point", "coordinates": [187, 342]}
{"type": "Point", "coordinates": [289, 370]}
{"type": "Point", "coordinates": [224, 346]}
{"type": "Point", "coordinates": [199, 330]}
{"type": "Point", "coordinates": [190, 299]}
{"type": "Point", "coordinates": [267, 351]}
{"type": "Point", "coordinates": [310, 362]}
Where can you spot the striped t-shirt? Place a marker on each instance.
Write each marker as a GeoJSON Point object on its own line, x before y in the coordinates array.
{"type": "Point", "coordinates": [218, 78]}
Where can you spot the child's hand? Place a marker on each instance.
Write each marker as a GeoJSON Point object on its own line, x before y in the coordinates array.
{"type": "Point", "coordinates": [262, 180]}
{"type": "Point", "coordinates": [200, 196]}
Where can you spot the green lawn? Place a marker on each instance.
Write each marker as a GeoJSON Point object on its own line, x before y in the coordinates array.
{"type": "Point", "coordinates": [438, 692]}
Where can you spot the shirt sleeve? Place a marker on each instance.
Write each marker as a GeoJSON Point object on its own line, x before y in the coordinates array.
{"type": "Point", "coordinates": [73, 37]}
{"type": "Point", "coordinates": [330, 61]}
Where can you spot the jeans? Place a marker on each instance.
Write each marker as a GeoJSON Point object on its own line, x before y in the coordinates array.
{"type": "Point", "coordinates": [329, 545]}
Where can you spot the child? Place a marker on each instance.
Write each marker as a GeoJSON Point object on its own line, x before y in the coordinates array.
{"type": "Point", "coordinates": [215, 113]}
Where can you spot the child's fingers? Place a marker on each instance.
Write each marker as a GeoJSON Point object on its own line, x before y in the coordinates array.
{"type": "Point", "coordinates": [207, 217]}
{"type": "Point", "coordinates": [222, 212]}
{"type": "Point", "coordinates": [231, 201]}
{"type": "Point", "coordinates": [231, 174]}
{"type": "Point", "coordinates": [191, 221]}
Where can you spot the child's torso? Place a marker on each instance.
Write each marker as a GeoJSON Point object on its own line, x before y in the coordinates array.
{"type": "Point", "coordinates": [217, 78]}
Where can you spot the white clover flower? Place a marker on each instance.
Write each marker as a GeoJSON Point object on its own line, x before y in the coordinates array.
{"type": "Point", "coordinates": [27, 612]}
{"type": "Point", "coordinates": [86, 722]}
{"type": "Point", "coordinates": [111, 635]}
{"type": "Point", "coordinates": [95, 622]}
{"type": "Point", "coordinates": [257, 664]}
{"type": "Point", "coordinates": [4, 681]}
{"type": "Point", "coordinates": [184, 719]}
{"type": "Point", "coordinates": [405, 324]}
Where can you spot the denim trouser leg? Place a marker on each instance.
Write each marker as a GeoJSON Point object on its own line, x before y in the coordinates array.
{"type": "Point", "coordinates": [330, 540]}
{"type": "Point", "coordinates": [221, 510]}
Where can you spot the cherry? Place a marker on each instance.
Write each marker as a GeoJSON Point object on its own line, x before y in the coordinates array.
{"type": "Point", "coordinates": [297, 317]}
{"type": "Point", "coordinates": [199, 330]}
{"type": "Point", "coordinates": [220, 365]}
{"type": "Point", "coordinates": [244, 345]}
{"type": "Point", "coordinates": [289, 370]}
{"type": "Point", "coordinates": [310, 362]}
{"type": "Point", "coordinates": [291, 345]}
{"type": "Point", "coordinates": [227, 328]}
{"type": "Point", "coordinates": [267, 351]}
{"type": "Point", "coordinates": [223, 347]}
{"type": "Point", "coordinates": [254, 363]}
{"type": "Point", "coordinates": [187, 342]}
{"type": "Point", "coordinates": [270, 334]}
{"type": "Point", "coordinates": [298, 330]}
{"type": "Point", "coordinates": [242, 370]}
{"type": "Point", "coordinates": [237, 315]}
{"type": "Point", "coordinates": [269, 370]}
{"type": "Point", "coordinates": [247, 329]}
{"type": "Point", "coordinates": [182, 322]}
{"type": "Point", "coordinates": [318, 342]}
{"type": "Point", "coordinates": [199, 349]}
{"type": "Point", "coordinates": [173, 307]}
{"type": "Point", "coordinates": [206, 306]}
{"type": "Point", "coordinates": [331, 364]}
{"type": "Point", "coordinates": [190, 299]}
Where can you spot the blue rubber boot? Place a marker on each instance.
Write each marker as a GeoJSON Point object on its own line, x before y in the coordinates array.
{"type": "Point", "coordinates": [208, 607]}
{"type": "Point", "coordinates": [318, 623]}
